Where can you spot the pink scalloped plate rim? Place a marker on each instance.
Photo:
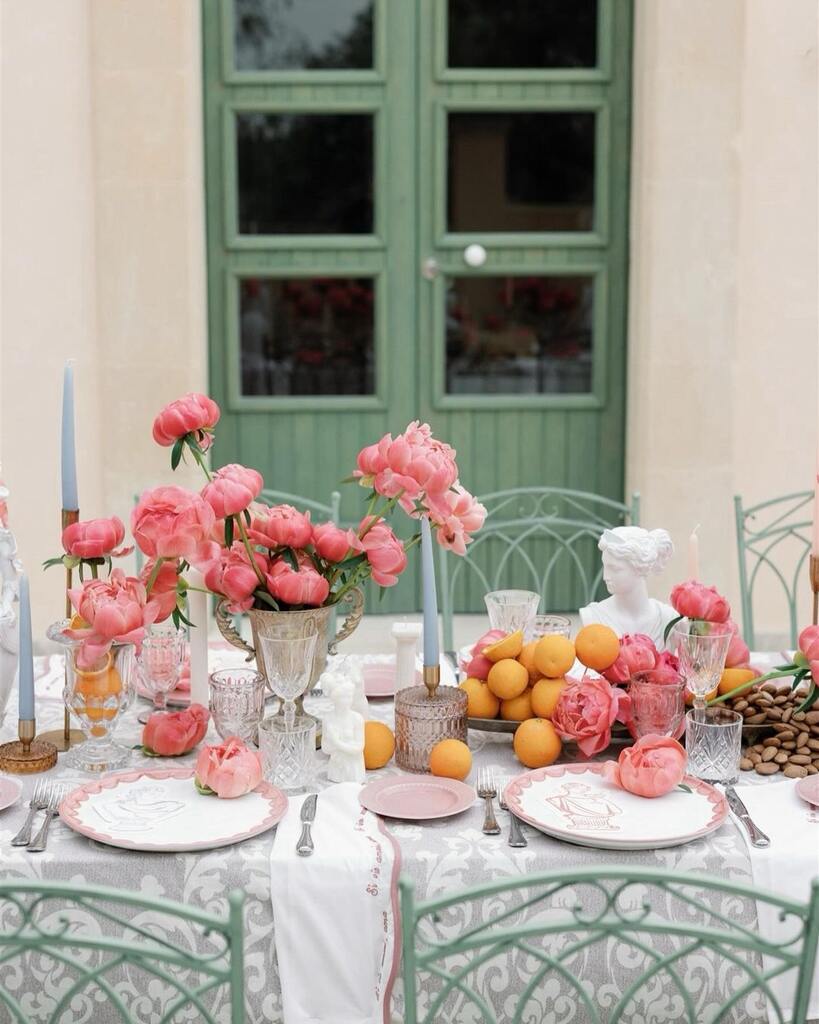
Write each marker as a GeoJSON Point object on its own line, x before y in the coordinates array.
{"type": "Point", "coordinates": [808, 789]}
{"type": "Point", "coordinates": [277, 808]}
{"type": "Point", "coordinates": [513, 791]}
{"type": "Point", "coordinates": [10, 791]}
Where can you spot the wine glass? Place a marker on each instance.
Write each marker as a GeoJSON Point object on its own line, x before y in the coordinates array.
{"type": "Point", "coordinates": [288, 664]}
{"type": "Point", "coordinates": [160, 662]}
{"type": "Point", "coordinates": [511, 610]}
{"type": "Point", "coordinates": [657, 703]}
{"type": "Point", "coordinates": [701, 648]}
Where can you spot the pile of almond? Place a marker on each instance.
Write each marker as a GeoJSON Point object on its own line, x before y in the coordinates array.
{"type": "Point", "coordinates": [793, 745]}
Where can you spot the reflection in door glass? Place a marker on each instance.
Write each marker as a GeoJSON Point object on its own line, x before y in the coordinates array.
{"type": "Point", "coordinates": [281, 35]}
{"type": "Point", "coordinates": [520, 171]}
{"type": "Point", "coordinates": [522, 33]}
{"type": "Point", "coordinates": [306, 335]}
{"type": "Point", "coordinates": [519, 335]}
{"type": "Point", "coordinates": [304, 173]}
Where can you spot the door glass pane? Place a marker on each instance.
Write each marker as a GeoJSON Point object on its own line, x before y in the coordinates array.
{"type": "Point", "coordinates": [518, 335]}
{"type": "Point", "coordinates": [306, 335]}
{"type": "Point", "coordinates": [304, 173]}
{"type": "Point", "coordinates": [519, 171]}
{"type": "Point", "coordinates": [522, 33]}
{"type": "Point", "coordinates": [282, 35]}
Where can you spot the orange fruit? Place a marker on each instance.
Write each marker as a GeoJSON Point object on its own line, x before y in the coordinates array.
{"type": "Point", "coordinates": [481, 702]}
{"type": "Point", "coordinates": [450, 759]}
{"type": "Point", "coordinates": [689, 696]}
{"type": "Point", "coordinates": [96, 685]}
{"type": "Point", "coordinates": [536, 743]}
{"type": "Point", "coordinates": [509, 647]}
{"type": "Point", "coordinates": [597, 646]}
{"type": "Point", "coordinates": [379, 744]}
{"type": "Point", "coordinates": [545, 693]}
{"type": "Point", "coordinates": [527, 659]}
{"type": "Point", "coordinates": [518, 709]}
{"type": "Point", "coordinates": [554, 655]}
{"type": "Point", "coordinates": [734, 677]}
{"type": "Point", "coordinates": [77, 622]}
{"type": "Point", "coordinates": [507, 678]}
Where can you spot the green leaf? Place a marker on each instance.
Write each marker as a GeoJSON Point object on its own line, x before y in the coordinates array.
{"type": "Point", "coordinates": [229, 532]}
{"type": "Point", "coordinates": [183, 618]}
{"type": "Point", "coordinates": [670, 626]}
{"type": "Point", "coordinates": [381, 592]}
{"type": "Point", "coordinates": [811, 697]}
{"type": "Point", "coordinates": [290, 556]}
{"type": "Point", "coordinates": [684, 788]}
{"type": "Point", "coordinates": [202, 788]}
{"type": "Point", "coordinates": [53, 561]}
{"type": "Point", "coordinates": [248, 517]}
{"type": "Point", "coordinates": [176, 452]}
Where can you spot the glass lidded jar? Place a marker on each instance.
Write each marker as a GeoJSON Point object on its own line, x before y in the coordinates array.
{"type": "Point", "coordinates": [422, 720]}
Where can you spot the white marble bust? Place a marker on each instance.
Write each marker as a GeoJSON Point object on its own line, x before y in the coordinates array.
{"type": "Point", "coordinates": [630, 555]}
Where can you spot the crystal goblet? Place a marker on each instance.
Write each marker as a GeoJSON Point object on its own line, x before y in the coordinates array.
{"type": "Point", "coordinates": [657, 703]}
{"type": "Point", "coordinates": [287, 666]}
{"type": "Point", "coordinates": [160, 662]}
{"type": "Point", "coordinates": [701, 648]}
{"type": "Point", "coordinates": [511, 610]}
{"type": "Point", "coordinates": [237, 702]}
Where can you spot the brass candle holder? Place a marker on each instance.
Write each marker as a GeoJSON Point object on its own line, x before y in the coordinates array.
{"type": "Point", "coordinates": [814, 582]}
{"type": "Point", "coordinates": [65, 738]}
{"type": "Point", "coordinates": [27, 755]}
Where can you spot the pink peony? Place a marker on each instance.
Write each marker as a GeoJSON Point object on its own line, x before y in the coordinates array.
{"type": "Point", "coordinates": [229, 769]}
{"type": "Point", "coordinates": [280, 526]}
{"type": "Point", "coordinates": [412, 465]}
{"type": "Point", "coordinates": [331, 542]}
{"type": "Point", "coordinates": [586, 711]}
{"type": "Point", "coordinates": [738, 655]}
{"type": "Point", "coordinates": [232, 489]}
{"type": "Point", "coordinates": [170, 522]}
{"type": "Point", "coordinates": [116, 609]}
{"type": "Point", "coordinates": [372, 460]}
{"type": "Point", "coordinates": [456, 514]}
{"type": "Point", "coordinates": [652, 767]}
{"type": "Point", "coordinates": [95, 538]}
{"type": "Point", "coordinates": [383, 549]}
{"type": "Point", "coordinates": [191, 414]}
{"type": "Point", "coordinates": [163, 591]}
{"type": "Point", "coordinates": [637, 653]}
{"type": "Point", "coordinates": [305, 586]}
{"type": "Point", "coordinates": [233, 576]}
{"type": "Point", "coordinates": [171, 733]}
{"type": "Point", "coordinates": [694, 600]}
{"type": "Point", "coordinates": [809, 646]}
{"type": "Point", "coordinates": [667, 668]}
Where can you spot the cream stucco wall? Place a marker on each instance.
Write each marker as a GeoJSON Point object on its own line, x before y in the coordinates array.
{"type": "Point", "coordinates": [102, 220]}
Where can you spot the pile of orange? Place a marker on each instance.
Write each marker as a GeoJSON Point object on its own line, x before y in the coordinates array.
{"type": "Point", "coordinates": [92, 689]}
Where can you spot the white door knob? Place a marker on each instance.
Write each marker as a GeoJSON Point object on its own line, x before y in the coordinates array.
{"type": "Point", "coordinates": [474, 255]}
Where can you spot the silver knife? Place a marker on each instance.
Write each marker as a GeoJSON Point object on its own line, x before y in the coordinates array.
{"type": "Point", "coordinates": [756, 835]}
{"type": "Point", "coordinates": [304, 847]}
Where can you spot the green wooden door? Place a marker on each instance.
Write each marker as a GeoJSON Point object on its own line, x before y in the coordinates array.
{"type": "Point", "coordinates": [355, 150]}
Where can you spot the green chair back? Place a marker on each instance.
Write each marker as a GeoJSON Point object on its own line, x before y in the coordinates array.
{"type": "Point", "coordinates": [104, 944]}
{"type": "Point", "coordinates": [535, 538]}
{"type": "Point", "coordinates": [514, 949]}
{"type": "Point", "coordinates": [773, 543]}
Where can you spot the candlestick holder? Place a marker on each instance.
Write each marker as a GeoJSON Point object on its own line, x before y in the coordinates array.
{"type": "Point", "coordinates": [813, 565]}
{"type": "Point", "coordinates": [65, 738]}
{"type": "Point", "coordinates": [27, 755]}
{"type": "Point", "coordinates": [425, 715]}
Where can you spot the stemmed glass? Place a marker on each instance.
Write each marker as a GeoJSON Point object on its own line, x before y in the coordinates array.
{"type": "Point", "coordinates": [287, 665]}
{"type": "Point", "coordinates": [511, 610]}
{"type": "Point", "coordinates": [160, 662]}
{"type": "Point", "coordinates": [657, 703]}
{"type": "Point", "coordinates": [701, 648]}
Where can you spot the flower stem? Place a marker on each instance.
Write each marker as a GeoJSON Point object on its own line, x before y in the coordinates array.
{"type": "Point", "coordinates": [197, 454]}
{"type": "Point", "coordinates": [752, 682]}
{"type": "Point", "coordinates": [243, 534]}
{"type": "Point", "coordinates": [94, 571]}
{"type": "Point", "coordinates": [374, 517]}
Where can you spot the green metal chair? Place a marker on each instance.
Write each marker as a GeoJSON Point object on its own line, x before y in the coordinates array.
{"type": "Point", "coordinates": [549, 935]}
{"type": "Point", "coordinates": [118, 943]}
{"type": "Point", "coordinates": [534, 538]}
{"type": "Point", "coordinates": [773, 536]}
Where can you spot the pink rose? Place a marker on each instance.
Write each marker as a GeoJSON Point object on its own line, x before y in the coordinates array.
{"type": "Point", "coordinates": [331, 542]}
{"type": "Point", "coordinates": [385, 552]}
{"type": "Point", "coordinates": [586, 711]}
{"type": "Point", "coordinates": [738, 655]}
{"type": "Point", "coordinates": [171, 733]}
{"type": "Point", "coordinates": [191, 414]}
{"type": "Point", "coordinates": [95, 538]}
{"type": "Point", "coordinates": [694, 600]}
{"type": "Point", "coordinates": [637, 654]}
{"type": "Point", "coordinates": [305, 587]}
{"type": "Point", "coordinates": [232, 489]}
{"type": "Point", "coordinates": [652, 767]}
{"type": "Point", "coordinates": [233, 576]}
{"type": "Point", "coordinates": [163, 591]}
{"type": "Point", "coordinates": [116, 609]}
{"type": "Point", "coordinates": [170, 522]}
{"type": "Point", "coordinates": [280, 526]}
{"type": "Point", "coordinates": [229, 769]}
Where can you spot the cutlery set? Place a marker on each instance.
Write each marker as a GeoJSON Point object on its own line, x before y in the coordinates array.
{"type": "Point", "coordinates": [46, 798]}
{"type": "Point", "coordinates": [487, 791]}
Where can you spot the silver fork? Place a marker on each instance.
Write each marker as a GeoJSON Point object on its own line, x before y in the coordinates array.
{"type": "Point", "coordinates": [38, 843]}
{"type": "Point", "coordinates": [38, 802]}
{"type": "Point", "coordinates": [516, 837]}
{"type": "Point", "coordinates": [487, 792]}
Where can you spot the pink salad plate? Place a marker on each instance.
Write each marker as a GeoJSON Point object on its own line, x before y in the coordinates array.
{"type": "Point", "coordinates": [10, 790]}
{"type": "Point", "coordinates": [161, 811]}
{"type": "Point", "coordinates": [417, 797]}
{"type": "Point", "coordinates": [808, 789]}
{"type": "Point", "coordinates": [379, 680]}
{"type": "Point", "coordinates": [575, 803]}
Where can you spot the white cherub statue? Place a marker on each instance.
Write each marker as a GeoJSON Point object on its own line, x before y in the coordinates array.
{"type": "Point", "coordinates": [343, 736]}
{"type": "Point", "coordinates": [630, 554]}
{"type": "Point", "coordinates": [351, 673]}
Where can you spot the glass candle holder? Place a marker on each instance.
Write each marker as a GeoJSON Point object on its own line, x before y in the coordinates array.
{"type": "Point", "coordinates": [422, 720]}
{"type": "Point", "coordinates": [237, 702]}
{"type": "Point", "coordinates": [511, 610]}
{"type": "Point", "coordinates": [288, 751]}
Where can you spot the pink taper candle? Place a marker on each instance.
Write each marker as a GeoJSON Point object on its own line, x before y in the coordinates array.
{"type": "Point", "coordinates": [694, 554]}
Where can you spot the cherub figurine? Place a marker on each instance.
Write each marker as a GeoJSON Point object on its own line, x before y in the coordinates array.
{"type": "Point", "coordinates": [343, 736]}
{"type": "Point", "coordinates": [351, 673]}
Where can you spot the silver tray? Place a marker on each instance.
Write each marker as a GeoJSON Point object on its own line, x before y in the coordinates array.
{"type": "Point", "coordinates": [619, 732]}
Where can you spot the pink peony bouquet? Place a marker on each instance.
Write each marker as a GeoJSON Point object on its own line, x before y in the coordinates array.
{"type": "Point", "coordinates": [228, 769]}
{"type": "Point", "coordinates": [652, 767]}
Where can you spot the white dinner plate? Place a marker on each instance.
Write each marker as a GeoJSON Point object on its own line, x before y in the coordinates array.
{"type": "Point", "coordinates": [575, 803]}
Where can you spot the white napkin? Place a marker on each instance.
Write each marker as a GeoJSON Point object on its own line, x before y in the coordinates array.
{"type": "Point", "coordinates": [335, 913]}
{"type": "Point", "coordinates": [786, 867]}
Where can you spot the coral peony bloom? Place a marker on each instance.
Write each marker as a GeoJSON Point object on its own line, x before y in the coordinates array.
{"type": "Point", "coordinates": [637, 654]}
{"type": "Point", "coordinates": [667, 668]}
{"type": "Point", "coordinates": [191, 414]}
{"type": "Point", "coordinates": [95, 538]}
{"type": "Point", "coordinates": [586, 711]}
{"type": "Point", "coordinates": [280, 526]}
{"type": "Point", "coordinates": [456, 514]}
{"type": "Point", "coordinates": [170, 522]}
{"type": "Point", "coordinates": [383, 549]}
{"type": "Point", "coordinates": [372, 460]}
{"type": "Point", "coordinates": [304, 586]}
{"type": "Point", "coordinates": [652, 767]}
{"type": "Point", "coordinates": [696, 601]}
{"type": "Point", "coordinates": [738, 655]}
{"type": "Point", "coordinates": [163, 591]}
{"type": "Point", "coordinates": [233, 576]}
{"type": "Point", "coordinates": [171, 733]}
{"type": "Point", "coordinates": [116, 609]}
{"type": "Point", "coordinates": [809, 646]}
{"type": "Point", "coordinates": [331, 542]}
{"type": "Point", "coordinates": [232, 489]}
{"type": "Point", "coordinates": [230, 769]}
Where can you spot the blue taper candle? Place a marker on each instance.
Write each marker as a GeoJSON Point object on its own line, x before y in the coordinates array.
{"type": "Point", "coordinates": [68, 457]}
{"type": "Point", "coordinates": [25, 654]}
{"type": "Point", "coordinates": [431, 651]}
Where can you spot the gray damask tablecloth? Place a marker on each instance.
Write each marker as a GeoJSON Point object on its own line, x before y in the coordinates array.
{"type": "Point", "coordinates": [441, 857]}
